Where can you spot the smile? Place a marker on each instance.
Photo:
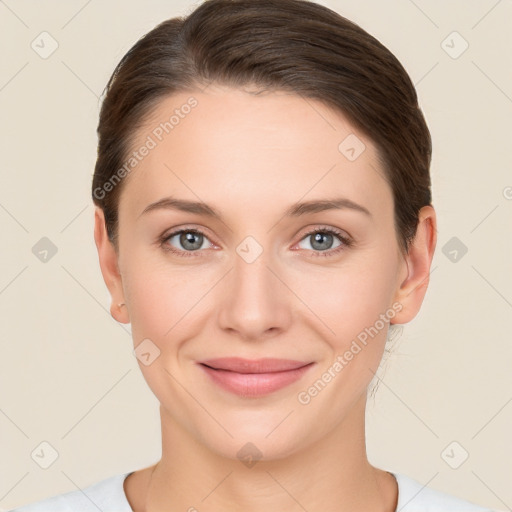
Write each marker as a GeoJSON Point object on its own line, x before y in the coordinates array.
{"type": "Point", "coordinates": [253, 378]}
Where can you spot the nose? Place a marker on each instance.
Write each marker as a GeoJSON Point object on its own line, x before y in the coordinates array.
{"type": "Point", "coordinates": [255, 303]}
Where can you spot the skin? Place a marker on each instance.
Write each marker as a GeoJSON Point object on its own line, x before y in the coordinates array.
{"type": "Point", "coordinates": [251, 157]}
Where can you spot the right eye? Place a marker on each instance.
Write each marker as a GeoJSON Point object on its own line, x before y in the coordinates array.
{"type": "Point", "coordinates": [191, 240]}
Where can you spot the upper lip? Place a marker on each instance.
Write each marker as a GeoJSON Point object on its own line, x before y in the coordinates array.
{"type": "Point", "coordinates": [265, 365]}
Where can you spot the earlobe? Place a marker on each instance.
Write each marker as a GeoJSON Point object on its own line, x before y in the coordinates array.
{"type": "Point", "coordinates": [411, 290]}
{"type": "Point", "coordinates": [108, 259]}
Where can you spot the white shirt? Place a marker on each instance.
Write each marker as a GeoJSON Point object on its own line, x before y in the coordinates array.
{"type": "Point", "coordinates": [108, 496]}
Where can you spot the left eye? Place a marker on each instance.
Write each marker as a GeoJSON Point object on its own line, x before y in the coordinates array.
{"type": "Point", "coordinates": [321, 240]}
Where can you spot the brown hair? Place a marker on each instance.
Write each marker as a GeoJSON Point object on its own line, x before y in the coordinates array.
{"type": "Point", "coordinates": [289, 45]}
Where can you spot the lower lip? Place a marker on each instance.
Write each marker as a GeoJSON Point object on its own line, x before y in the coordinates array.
{"type": "Point", "coordinates": [254, 384]}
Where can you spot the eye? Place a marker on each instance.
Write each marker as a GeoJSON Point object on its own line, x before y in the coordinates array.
{"type": "Point", "coordinates": [185, 242]}
{"type": "Point", "coordinates": [321, 241]}
{"type": "Point", "coordinates": [188, 241]}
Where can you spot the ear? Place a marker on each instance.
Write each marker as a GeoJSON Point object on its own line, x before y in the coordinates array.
{"type": "Point", "coordinates": [417, 262]}
{"type": "Point", "coordinates": [108, 258]}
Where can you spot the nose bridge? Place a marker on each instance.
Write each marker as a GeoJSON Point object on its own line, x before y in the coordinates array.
{"type": "Point", "coordinates": [251, 274]}
{"type": "Point", "coordinates": [253, 284]}
{"type": "Point", "coordinates": [255, 300]}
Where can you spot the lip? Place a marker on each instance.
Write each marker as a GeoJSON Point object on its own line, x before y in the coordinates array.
{"type": "Point", "coordinates": [254, 377]}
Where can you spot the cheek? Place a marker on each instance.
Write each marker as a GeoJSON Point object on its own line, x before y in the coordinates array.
{"type": "Point", "coordinates": [153, 295]}
{"type": "Point", "coordinates": [354, 312]}
{"type": "Point", "coordinates": [353, 309]}
{"type": "Point", "coordinates": [163, 314]}
{"type": "Point", "coordinates": [165, 302]}
{"type": "Point", "coordinates": [348, 299]}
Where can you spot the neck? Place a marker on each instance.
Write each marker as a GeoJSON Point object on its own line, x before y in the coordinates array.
{"type": "Point", "coordinates": [332, 473]}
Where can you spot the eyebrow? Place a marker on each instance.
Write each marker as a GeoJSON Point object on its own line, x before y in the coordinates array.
{"type": "Point", "coordinates": [296, 210]}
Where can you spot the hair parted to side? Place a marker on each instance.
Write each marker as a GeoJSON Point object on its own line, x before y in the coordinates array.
{"type": "Point", "coordinates": [295, 46]}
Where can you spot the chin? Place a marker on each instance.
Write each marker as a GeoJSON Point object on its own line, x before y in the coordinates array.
{"type": "Point", "coordinates": [251, 449]}
{"type": "Point", "coordinates": [257, 436]}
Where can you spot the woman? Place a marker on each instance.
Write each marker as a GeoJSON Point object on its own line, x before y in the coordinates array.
{"type": "Point", "coordinates": [263, 216]}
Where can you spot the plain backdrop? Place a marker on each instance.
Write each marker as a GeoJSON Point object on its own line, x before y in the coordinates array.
{"type": "Point", "coordinates": [69, 382]}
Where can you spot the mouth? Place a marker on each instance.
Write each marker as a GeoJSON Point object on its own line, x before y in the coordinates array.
{"type": "Point", "coordinates": [256, 377]}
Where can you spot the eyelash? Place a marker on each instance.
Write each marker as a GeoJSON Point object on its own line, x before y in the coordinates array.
{"type": "Point", "coordinates": [346, 242]}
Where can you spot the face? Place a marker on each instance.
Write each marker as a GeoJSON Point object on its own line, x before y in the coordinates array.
{"type": "Point", "coordinates": [263, 277]}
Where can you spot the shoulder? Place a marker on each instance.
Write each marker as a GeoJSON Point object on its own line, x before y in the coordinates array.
{"type": "Point", "coordinates": [415, 497]}
{"type": "Point", "coordinates": [102, 495]}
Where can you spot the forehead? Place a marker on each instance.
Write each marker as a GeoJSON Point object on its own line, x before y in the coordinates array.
{"type": "Point", "coordinates": [236, 150]}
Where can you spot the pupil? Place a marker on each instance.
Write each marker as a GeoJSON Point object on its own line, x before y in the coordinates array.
{"type": "Point", "coordinates": [318, 237]}
{"type": "Point", "coordinates": [187, 240]}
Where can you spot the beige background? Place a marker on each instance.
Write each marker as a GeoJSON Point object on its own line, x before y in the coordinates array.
{"type": "Point", "coordinates": [67, 372]}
